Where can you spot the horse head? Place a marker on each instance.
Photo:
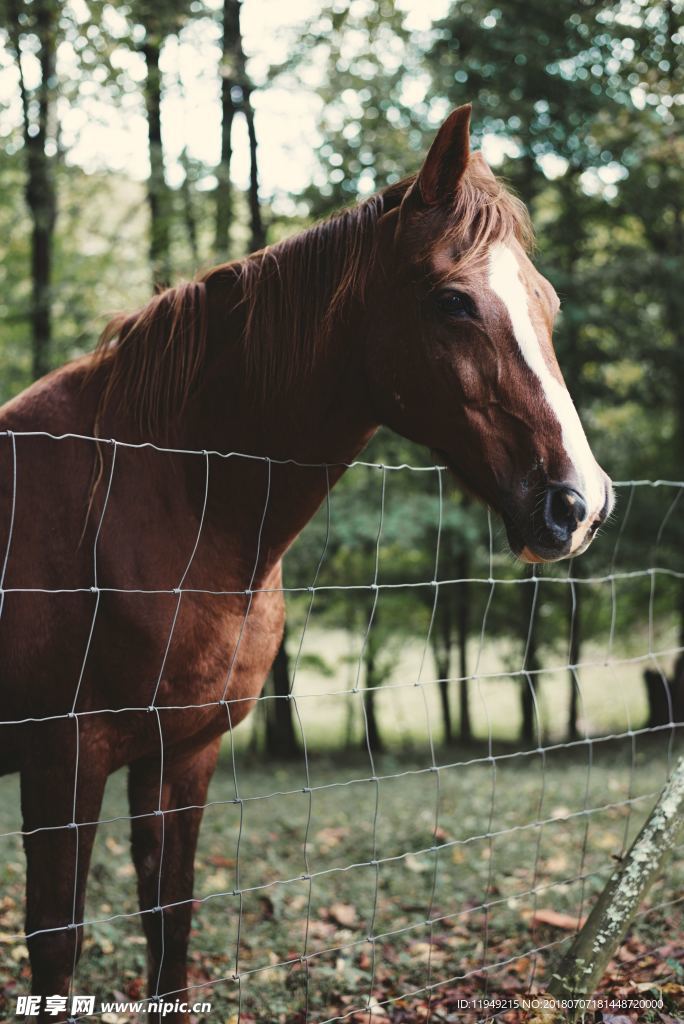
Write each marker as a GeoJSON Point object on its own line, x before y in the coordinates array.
{"type": "Point", "coordinates": [461, 357]}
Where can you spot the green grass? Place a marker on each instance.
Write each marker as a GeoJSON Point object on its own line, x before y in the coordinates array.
{"type": "Point", "coordinates": [346, 820]}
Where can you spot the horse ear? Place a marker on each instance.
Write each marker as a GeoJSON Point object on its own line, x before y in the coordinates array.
{"type": "Point", "coordinates": [447, 160]}
{"type": "Point", "coordinates": [483, 169]}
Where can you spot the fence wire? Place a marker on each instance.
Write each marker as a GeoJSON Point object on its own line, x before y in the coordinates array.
{"type": "Point", "coordinates": [474, 828]}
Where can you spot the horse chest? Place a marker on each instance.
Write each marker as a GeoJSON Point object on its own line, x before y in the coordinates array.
{"type": "Point", "coordinates": [217, 653]}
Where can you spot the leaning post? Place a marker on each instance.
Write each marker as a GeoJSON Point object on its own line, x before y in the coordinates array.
{"type": "Point", "coordinates": [581, 969]}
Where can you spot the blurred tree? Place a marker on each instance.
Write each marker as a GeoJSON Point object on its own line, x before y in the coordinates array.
{"type": "Point", "coordinates": [543, 76]}
{"type": "Point", "coordinates": [33, 26]}
{"type": "Point", "coordinates": [529, 682]}
{"type": "Point", "coordinates": [281, 736]}
{"type": "Point", "coordinates": [187, 195]}
{"type": "Point", "coordinates": [441, 641]}
{"type": "Point", "coordinates": [229, 88]}
{"type": "Point", "coordinates": [236, 96]}
{"type": "Point", "coordinates": [373, 132]}
{"type": "Point", "coordinates": [159, 19]}
{"type": "Point", "coordinates": [575, 606]}
{"type": "Point", "coordinates": [461, 542]}
{"type": "Point", "coordinates": [652, 194]}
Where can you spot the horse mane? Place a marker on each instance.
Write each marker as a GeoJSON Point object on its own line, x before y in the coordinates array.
{"type": "Point", "coordinates": [290, 295]}
{"type": "Point", "coordinates": [154, 358]}
{"type": "Point", "coordinates": [294, 292]}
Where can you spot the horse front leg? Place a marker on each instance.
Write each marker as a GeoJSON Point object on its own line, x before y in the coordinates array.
{"type": "Point", "coordinates": [163, 847]}
{"type": "Point", "coordinates": [60, 809]}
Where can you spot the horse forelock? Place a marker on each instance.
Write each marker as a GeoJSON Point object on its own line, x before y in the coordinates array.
{"type": "Point", "coordinates": [483, 211]}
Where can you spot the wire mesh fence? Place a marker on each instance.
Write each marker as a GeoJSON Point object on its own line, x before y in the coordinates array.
{"type": "Point", "coordinates": [470, 745]}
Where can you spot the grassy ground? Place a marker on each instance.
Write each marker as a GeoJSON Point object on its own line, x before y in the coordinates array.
{"type": "Point", "coordinates": [528, 836]}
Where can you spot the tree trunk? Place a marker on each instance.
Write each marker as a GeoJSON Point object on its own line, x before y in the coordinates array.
{"type": "Point", "coordinates": [229, 88]}
{"type": "Point", "coordinates": [574, 653]}
{"type": "Point", "coordinates": [530, 665]}
{"type": "Point", "coordinates": [440, 640]}
{"type": "Point", "coordinates": [41, 196]}
{"type": "Point", "coordinates": [583, 967]}
{"type": "Point", "coordinates": [372, 735]}
{"type": "Point", "coordinates": [374, 738]}
{"type": "Point", "coordinates": [674, 313]}
{"type": "Point", "coordinates": [281, 737]}
{"type": "Point", "coordinates": [665, 695]}
{"type": "Point", "coordinates": [236, 95]}
{"type": "Point", "coordinates": [350, 717]}
{"type": "Point", "coordinates": [257, 232]}
{"type": "Point", "coordinates": [466, 730]}
{"type": "Point", "coordinates": [158, 197]}
{"type": "Point", "coordinates": [189, 214]}
{"type": "Point", "coordinates": [443, 670]}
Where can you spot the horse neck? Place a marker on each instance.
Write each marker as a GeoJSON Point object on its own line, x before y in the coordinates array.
{"type": "Point", "coordinates": [302, 433]}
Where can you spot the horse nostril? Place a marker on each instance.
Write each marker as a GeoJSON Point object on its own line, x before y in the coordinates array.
{"type": "Point", "coordinates": [565, 509]}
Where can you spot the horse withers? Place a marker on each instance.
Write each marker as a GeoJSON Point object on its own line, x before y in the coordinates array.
{"type": "Point", "coordinates": [141, 588]}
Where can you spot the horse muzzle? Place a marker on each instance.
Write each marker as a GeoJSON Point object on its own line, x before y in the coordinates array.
{"type": "Point", "coordinates": [559, 523]}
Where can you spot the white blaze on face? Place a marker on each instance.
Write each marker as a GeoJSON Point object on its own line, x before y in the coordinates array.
{"type": "Point", "coordinates": [506, 282]}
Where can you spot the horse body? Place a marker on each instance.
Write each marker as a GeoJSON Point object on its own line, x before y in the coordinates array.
{"type": "Point", "coordinates": [78, 644]}
{"type": "Point", "coordinates": [142, 605]}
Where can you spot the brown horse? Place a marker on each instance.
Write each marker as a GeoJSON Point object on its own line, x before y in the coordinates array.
{"type": "Point", "coordinates": [140, 607]}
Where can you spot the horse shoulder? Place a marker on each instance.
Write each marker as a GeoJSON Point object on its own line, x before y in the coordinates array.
{"type": "Point", "coordinates": [64, 401]}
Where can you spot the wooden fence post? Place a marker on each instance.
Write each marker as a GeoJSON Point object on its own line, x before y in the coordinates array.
{"type": "Point", "coordinates": [582, 968]}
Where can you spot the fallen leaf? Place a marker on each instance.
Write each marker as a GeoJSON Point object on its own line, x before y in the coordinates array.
{"type": "Point", "coordinates": [221, 862]}
{"type": "Point", "coordinates": [560, 812]}
{"type": "Point", "coordinates": [135, 988]}
{"type": "Point", "coordinates": [421, 951]}
{"type": "Point", "coordinates": [332, 836]}
{"type": "Point", "coordinates": [609, 841]}
{"type": "Point", "coordinates": [413, 864]}
{"type": "Point", "coordinates": [374, 1011]}
{"type": "Point", "coordinates": [568, 922]}
{"type": "Point", "coordinates": [557, 863]}
{"type": "Point", "coordinates": [343, 913]}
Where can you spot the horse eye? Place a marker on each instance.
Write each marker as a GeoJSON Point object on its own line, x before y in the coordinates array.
{"type": "Point", "coordinates": [455, 303]}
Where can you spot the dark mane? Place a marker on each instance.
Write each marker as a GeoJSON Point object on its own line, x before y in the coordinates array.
{"type": "Point", "coordinates": [290, 295]}
{"type": "Point", "coordinates": [154, 358]}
